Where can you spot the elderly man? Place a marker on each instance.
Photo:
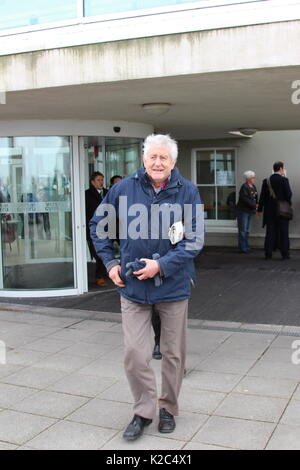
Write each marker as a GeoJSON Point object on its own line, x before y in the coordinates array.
{"type": "Point", "coordinates": [156, 187]}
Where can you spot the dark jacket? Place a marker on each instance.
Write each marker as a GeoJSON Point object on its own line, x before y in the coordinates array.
{"type": "Point", "coordinates": [248, 199]}
{"type": "Point", "coordinates": [267, 204]}
{"type": "Point", "coordinates": [92, 201]}
{"type": "Point", "coordinates": [176, 262]}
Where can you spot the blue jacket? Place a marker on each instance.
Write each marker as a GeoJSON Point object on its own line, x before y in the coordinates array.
{"type": "Point", "coordinates": [176, 262]}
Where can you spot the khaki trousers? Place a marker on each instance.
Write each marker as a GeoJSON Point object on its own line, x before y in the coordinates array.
{"type": "Point", "coordinates": [136, 321]}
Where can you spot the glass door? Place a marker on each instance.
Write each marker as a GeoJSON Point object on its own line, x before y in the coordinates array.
{"type": "Point", "coordinates": [111, 156]}
{"type": "Point", "coordinates": [36, 213]}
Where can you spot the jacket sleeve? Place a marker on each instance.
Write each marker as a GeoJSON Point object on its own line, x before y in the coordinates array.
{"type": "Point", "coordinates": [189, 247]}
{"type": "Point", "coordinates": [102, 229]}
{"type": "Point", "coordinates": [287, 190]}
{"type": "Point", "coordinates": [262, 199]}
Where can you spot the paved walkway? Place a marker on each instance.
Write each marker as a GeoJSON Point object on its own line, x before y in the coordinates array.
{"type": "Point", "coordinates": [230, 287]}
{"type": "Point", "coordinates": [63, 385]}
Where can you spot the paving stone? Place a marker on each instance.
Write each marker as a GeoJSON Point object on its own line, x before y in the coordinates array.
{"type": "Point", "coordinates": [50, 404]}
{"type": "Point", "coordinates": [12, 394]}
{"type": "Point", "coordinates": [297, 393]}
{"type": "Point", "coordinates": [277, 370]}
{"type": "Point", "coordinates": [63, 362]}
{"type": "Point", "coordinates": [199, 446]}
{"type": "Point", "coordinates": [48, 345]}
{"type": "Point", "coordinates": [252, 407]}
{"type": "Point", "coordinates": [105, 337]}
{"type": "Point", "coordinates": [101, 368]}
{"type": "Point", "coordinates": [67, 435]}
{"type": "Point", "coordinates": [145, 442]}
{"type": "Point", "coordinates": [4, 446]}
{"type": "Point", "coordinates": [9, 369]}
{"type": "Point", "coordinates": [281, 388]}
{"type": "Point", "coordinates": [119, 391]}
{"type": "Point", "coordinates": [285, 438]}
{"type": "Point", "coordinates": [187, 424]}
{"type": "Point", "coordinates": [24, 357]}
{"type": "Point", "coordinates": [18, 428]}
{"type": "Point", "coordinates": [291, 415]}
{"type": "Point", "coordinates": [34, 377]}
{"type": "Point", "coordinates": [103, 413]}
{"type": "Point", "coordinates": [82, 385]}
{"type": "Point", "coordinates": [225, 364]}
{"type": "Point", "coordinates": [235, 433]}
{"type": "Point", "coordinates": [216, 381]}
{"type": "Point", "coordinates": [199, 401]}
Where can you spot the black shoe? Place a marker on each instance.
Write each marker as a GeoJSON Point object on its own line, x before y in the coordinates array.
{"type": "Point", "coordinates": [166, 421]}
{"type": "Point", "coordinates": [286, 257]}
{"type": "Point", "coordinates": [156, 352]}
{"type": "Point", "coordinates": [136, 428]}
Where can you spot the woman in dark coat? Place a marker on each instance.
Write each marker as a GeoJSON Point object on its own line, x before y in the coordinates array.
{"type": "Point", "coordinates": [246, 208]}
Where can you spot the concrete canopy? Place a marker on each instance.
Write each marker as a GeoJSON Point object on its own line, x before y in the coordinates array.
{"type": "Point", "coordinates": [203, 106]}
{"type": "Point", "coordinates": [216, 81]}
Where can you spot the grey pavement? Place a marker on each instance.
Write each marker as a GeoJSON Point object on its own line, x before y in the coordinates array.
{"type": "Point", "coordinates": [63, 385]}
{"type": "Point", "coordinates": [230, 287]}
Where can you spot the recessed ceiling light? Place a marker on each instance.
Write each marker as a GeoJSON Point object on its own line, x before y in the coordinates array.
{"type": "Point", "coordinates": [156, 109]}
{"type": "Point", "coordinates": [244, 132]}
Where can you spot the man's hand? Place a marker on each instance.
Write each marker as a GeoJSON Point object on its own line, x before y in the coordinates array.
{"type": "Point", "coordinates": [114, 275]}
{"type": "Point", "coordinates": [149, 271]}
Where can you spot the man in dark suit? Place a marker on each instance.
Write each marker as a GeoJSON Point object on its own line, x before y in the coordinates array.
{"type": "Point", "coordinates": [277, 228]}
{"type": "Point", "coordinates": [93, 197]}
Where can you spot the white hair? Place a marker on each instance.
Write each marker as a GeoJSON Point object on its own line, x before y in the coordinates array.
{"type": "Point", "coordinates": [249, 174]}
{"type": "Point", "coordinates": [161, 141]}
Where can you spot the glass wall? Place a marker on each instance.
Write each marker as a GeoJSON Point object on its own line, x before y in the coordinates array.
{"type": "Point", "coordinates": [216, 180]}
{"type": "Point", "coordinates": [111, 156]}
{"type": "Point", "coordinates": [94, 7]}
{"type": "Point", "coordinates": [19, 13]}
{"type": "Point", "coordinates": [36, 213]}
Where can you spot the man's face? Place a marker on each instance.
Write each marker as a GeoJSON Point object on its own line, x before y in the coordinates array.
{"type": "Point", "coordinates": [98, 182]}
{"type": "Point", "coordinates": [158, 164]}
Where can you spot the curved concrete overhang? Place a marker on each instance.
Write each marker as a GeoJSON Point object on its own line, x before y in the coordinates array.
{"type": "Point", "coordinates": [241, 48]}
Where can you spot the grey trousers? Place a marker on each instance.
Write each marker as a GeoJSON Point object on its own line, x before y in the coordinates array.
{"type": "Point", "coordinates": [136, 321]}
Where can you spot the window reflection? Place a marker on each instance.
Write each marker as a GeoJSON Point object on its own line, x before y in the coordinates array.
{"type": "Point", "coordinates": [35, 211]}
{"type": "Point", "coordinates": [17, 13]}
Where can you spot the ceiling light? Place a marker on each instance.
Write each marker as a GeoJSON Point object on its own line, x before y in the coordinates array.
{"type": "Point", "coordinates": [156, 109]}
{"type": "Point", "coordinates": [244, 132]}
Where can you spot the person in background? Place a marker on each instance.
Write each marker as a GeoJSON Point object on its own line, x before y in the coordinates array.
{"type": "Point", "coordinates": [93, 197]}
{"type": "Point", "coordinates": [277, 228]}
{"type": "Point", "coordinates": [156, 325]}
{"type": "Point", "coordinates": [114, 180]}
{"type": "Point", "coordinates": [246, 208]}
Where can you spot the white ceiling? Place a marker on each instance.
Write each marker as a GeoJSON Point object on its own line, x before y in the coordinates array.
{"type": "Point", "coordinates": [203, 106]}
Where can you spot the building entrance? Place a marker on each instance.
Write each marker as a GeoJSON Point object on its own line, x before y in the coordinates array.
{"type": "Point", "coordinates": [111, 156]}
{"type": "Point", "coordinates": [36, 213]}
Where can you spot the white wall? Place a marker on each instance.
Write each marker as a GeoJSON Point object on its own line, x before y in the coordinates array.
{"type": "Point", "coordinates": [257, 154]}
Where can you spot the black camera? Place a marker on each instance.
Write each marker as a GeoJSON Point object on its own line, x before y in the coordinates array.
{"type": "Point", "coordinates": [117, 129]}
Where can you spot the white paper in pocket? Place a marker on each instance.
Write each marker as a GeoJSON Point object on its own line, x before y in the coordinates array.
{"type": "Point", "coordinates": [176, 232]}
